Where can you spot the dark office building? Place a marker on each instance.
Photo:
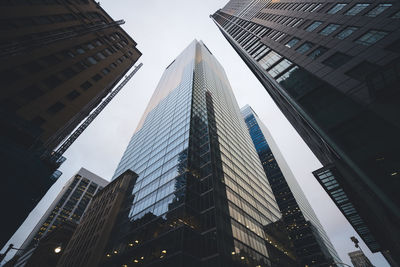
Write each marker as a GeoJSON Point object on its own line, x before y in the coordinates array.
{"type": "Point", "coordinates": [333, 70]}
{"type": "Point", "coordinates": [69, 206]}
{"type": "Point", "coordinates": [58, 60]}
{"type": "Point", "coordinates": [202, 197]}
{"type": "Point", "coordinates": [48, 252]}
{"type": "Point", "coordinates": [88, 243]}
{"type": "Point", "coordinates": [310, 242]}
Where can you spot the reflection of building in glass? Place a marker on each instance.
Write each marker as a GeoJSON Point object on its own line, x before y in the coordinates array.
{"type": "Point", "coordinates": [358, 259]}
{"type": "Point", "coordinates": [69, 205]}
{"type": "Point", "coordinates": [311, 243]}
{"type": "Point", "coordinates": [202, 198]}
{"type": "Point", "coordinates": [58, 60]}
{"type": "Point", "coordinates": [333, 70]}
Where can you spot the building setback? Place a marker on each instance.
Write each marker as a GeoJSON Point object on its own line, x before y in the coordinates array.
{"type": "Point", "coordinates": [69, 206]}
{"type": "Point", "coordinates": [333, 70]}
{"type": "Point", "coordinates": [59, 59]}
{"type": "Point", "coordinates": [310, 241]}
{"type": "Point", "coordinates": [202, 198]}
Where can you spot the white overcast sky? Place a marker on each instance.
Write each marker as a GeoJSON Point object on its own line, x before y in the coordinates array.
{"type": "Point", "coordinates": [162, 29]}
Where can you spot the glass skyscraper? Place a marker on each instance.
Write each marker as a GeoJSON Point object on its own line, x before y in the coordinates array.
{"type": "Point", "coordinates": [311, 243]}
{"type": "Point", "coordinates": [333, 70]}
{"type": "Point", "coordinates": [202, 197]}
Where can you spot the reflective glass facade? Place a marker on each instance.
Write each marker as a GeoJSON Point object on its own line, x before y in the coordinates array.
{"type": "Point", "coordinates": [338, 88]}
{"type": "Point", "coordinates": [202, 197]}
{"type": "Point", "coordinates": [311, 243]}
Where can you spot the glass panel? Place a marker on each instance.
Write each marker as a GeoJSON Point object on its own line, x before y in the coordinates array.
{"type": "Point", "coordinates": [371, 37]}
{"type": "Point", "coordinates": [305, 47]}
{"type": "Point", "coordinates": [313, 26]}
{"type": "Point", "coordinates": [356, 9]}
{"type": "Point", "coordinates": [292, 42]}
{"type": "Point", "coordinates": [346, 32]}
{"type": "Point", "coordinates": [329, 29]}
{"type": "Point", "coordinates": [280, 67]}
{"type": "Point", "coordinates": [270, 59]}
{"type": "Point", "coordinates": [336, 8]}
{"type": "Point", "coordinates": [318, 52]}
{"type": "Point", "coordinates": [378, 10]}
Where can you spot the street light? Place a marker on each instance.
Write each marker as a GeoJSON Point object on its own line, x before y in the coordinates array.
{"type": "Point", "coordinates": [57, 250]}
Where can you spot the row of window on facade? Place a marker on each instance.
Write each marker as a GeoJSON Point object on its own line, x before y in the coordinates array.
{"type": "Point", "coordinates": [350, 10]}
{"type": "Point", "coordinates": [40, 2]}
{"type": "Point", "coordinates": [55, 80]}
{"type": "Point", "coordinates": [49, 19]}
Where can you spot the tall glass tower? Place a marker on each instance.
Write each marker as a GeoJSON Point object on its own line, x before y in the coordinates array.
{"type": "Point", "coordinates": [202, 197]}
{"type": "Point", "coordinates": [311, 243]}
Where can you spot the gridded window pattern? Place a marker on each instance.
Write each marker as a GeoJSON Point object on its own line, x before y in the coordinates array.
{"type": "Point", "coordinates": [313, 26]}
{"type": "Point", "coordinates": [346, 32]}
{"type": "Point", "coordinates": [305, 47]}
{"type": "Point", "coordinates": [335, 9]}
{"type": "Point", "coordinates": [378, 10]}
{"type": "Point", "coordinates": [292, 42]}
{"type": "Point", "coordinates": [200, 107]}
{"type": "Point", "coordinates": [371, 37]}
{"type": "Point", "coordinates": [72, 204]}
{"type": "Point", "coordinates": [329, 29]}
{"type": "Point", "coordinates": [318, 52]}
{"type": "Point", "coordinates": [357, 9]}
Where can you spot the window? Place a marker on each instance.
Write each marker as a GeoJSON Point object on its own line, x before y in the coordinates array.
{"type": "Point", "coordinates": [97, 77]}
{"type": "Point", "coordinates": [313, 26]}
{"type": "Point", "coordinates": [329, 29]}
{"type": "Point", "coordinates": [57, 107]}
{"type": "Point", "coordinates": [113, 65]}
{"type": "Point", "coordinates": [92, 60]}
{"type": "Point", "coordinates": [346, 32]}
{"type": "Point", "coordinates": [315, 8]}
{"type": "Point", "coordinates": [336, 8]}
{"type": "Point", "coordinates": [371, 37]}
{"type": "Point", "coordinates": [73, 94]}
{"type": "Point", "coordinates": [378, 10]}
{"type": "Point", "coordinates": [280, 67]}
{"type": "Point", "coordinates": [98, 43]}
{"type": "Point", "coordinates": [86, 85]}
{"type": "Point", "coordinates": [105, 71]}
{"type": "Point", "coordinates": [318, 52]}
{"type": "Point", "coordinates": [305, 47]}
{"type": "Point", "coordinates": [80, 50]}
{"type": "Point", "coordinates": [100, 55]}
{"type": "Point", "coordinates": [297, 23]}
{"type": "Point", "coordinates": [107, 51]}
{"type": "Point", "coordinates": [356, 9]}
{"type": "Point", "coordinates": [336, 60]}
{"type": "Point", "coordinates": [292, 42]}
{"type": "Point", "coordinates": [90, 46]}
{"type": "Point", "coordinates": [269, 59]}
